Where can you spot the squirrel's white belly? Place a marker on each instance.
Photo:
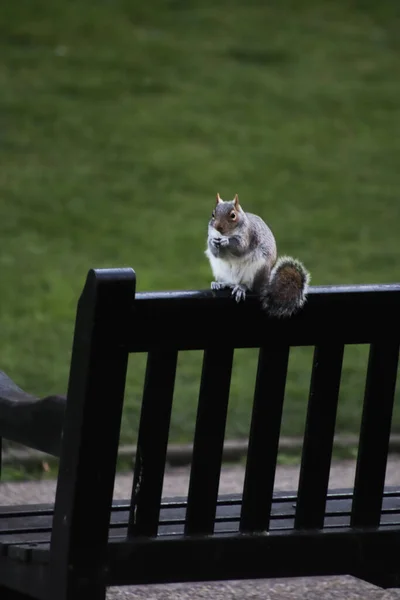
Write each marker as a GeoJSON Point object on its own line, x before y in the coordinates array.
{"type": "Point", "coordinates": [235, 271]}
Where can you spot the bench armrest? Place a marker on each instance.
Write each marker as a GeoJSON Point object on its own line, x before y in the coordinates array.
{"type": "Point", "coordinates": [33, 422]}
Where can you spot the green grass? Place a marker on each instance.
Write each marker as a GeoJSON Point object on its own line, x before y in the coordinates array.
{"type": "Point", "coordinates": [119, 121]}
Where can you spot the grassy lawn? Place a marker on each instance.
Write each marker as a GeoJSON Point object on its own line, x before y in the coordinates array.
{"type": "Point", "coordinates": [120, 120]}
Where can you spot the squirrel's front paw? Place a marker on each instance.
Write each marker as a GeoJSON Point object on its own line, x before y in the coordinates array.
{"type": "Point", "coordinates": [216, 285]}
{"type": "Point", "coordinates": [220, 242]}
{"type": "Point", "coordinates": [239, 292]}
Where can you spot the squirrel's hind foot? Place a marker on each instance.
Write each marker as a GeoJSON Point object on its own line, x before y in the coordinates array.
{"type": "Point", "coordinates": [239, 292]}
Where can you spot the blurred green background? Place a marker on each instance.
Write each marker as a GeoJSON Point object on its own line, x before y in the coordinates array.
{"type": "Point", "coordinates": [120, 120]}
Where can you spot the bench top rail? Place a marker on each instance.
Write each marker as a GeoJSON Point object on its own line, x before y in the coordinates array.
{"type": "Point", "coordinates": [193, 320]}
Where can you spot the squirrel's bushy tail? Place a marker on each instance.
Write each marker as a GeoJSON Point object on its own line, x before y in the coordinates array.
{"type": "Point", "coordinates": [287, 289]}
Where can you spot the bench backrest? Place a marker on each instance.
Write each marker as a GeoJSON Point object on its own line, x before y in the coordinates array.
{"type": "Point", "coordinates": [112, 322]}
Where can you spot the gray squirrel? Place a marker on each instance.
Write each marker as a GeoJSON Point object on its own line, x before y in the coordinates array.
{"type": "Point", "coordinates": [242, 252]}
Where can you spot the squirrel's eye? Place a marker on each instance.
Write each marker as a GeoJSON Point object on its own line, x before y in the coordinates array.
{"type": "Point", "coordinates": [233, 215]}
{"type": "Point", "coordinates": [213, 214]}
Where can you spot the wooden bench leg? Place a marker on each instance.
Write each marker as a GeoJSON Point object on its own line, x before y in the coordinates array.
{"type": "Point", "coordinates": [81, 591]}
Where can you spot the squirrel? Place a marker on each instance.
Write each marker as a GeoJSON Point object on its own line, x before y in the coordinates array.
{"type": "Point", "coordinates": [242, 252]}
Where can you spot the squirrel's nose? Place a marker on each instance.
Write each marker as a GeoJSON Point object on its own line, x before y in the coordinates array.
{"type": "Point", "coordinates": [218, 227]}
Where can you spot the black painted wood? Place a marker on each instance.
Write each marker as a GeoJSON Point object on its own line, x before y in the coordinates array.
{"type": "Point", "coordinates": [7, 594]}
{"type": "Point", "coordinates": [318, 437]}
{"type": "Point", "coordinates": [25, 419]}
{"type": "Point", "coordinates": [19, 581]}
{"type": "Point", "coordinates": [341, 313]}
{"type": "Point", "coordinates": [25, 510]}
{"type": "Point", "coordinates": [237, 556]}
{"type": "Point", "coordinates": [33, 545]}
{"type": "Point", "coordinates": [264, 437]}
{"type": "Point", "coordinates": [89, 546]}
{"type": "Point", "coordinates": [375, 432]}
{"type": "Point", "coordinates": [209, 440]}
{"type": "Point", "coordinates": [91, 432]}
{"type": "Point", "coordinates": [152, 442]}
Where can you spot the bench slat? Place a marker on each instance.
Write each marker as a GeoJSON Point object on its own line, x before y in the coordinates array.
{"type": "Point", "coordinates": [209, 440]}
{"type": "Point", "coordinates": [375, 433]}
{"type": "Point", "coordinates": [318, 437]}
{"type": "Point", "coordinates": [264, 438]}
{"type": "Point", "coordinates": [152, 442]}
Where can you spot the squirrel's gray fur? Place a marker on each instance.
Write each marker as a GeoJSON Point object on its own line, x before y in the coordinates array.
{"type": "Point", "coordinates": [242, 252]}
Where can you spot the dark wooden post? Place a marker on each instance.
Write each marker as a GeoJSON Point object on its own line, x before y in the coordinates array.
{"type": "Point", "coordinates": [90, 436]}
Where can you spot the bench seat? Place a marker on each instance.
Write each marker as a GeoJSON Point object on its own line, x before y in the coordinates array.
{"type": "Point", "coordinates": [25, 537]}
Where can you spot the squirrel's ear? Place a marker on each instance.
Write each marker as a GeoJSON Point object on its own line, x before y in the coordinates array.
{"type": "Point", "coordinates": [219, 200]}
{"type": "Point", "coordinates": [236, 202]}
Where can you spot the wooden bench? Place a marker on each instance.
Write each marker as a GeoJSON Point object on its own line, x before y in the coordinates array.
{"type": "Point", "coordinates": [85, 542]}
